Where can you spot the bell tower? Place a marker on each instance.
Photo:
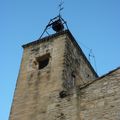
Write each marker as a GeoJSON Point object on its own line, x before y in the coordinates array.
{"type": "Point", "coordinates": [51, 71]}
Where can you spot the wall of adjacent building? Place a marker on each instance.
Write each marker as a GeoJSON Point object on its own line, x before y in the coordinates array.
{"type": "Point", "coordinates": [101, 99]}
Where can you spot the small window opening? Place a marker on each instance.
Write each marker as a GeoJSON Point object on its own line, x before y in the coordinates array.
{"type": "Point", "coordinates": [73, 79]}
{"type": "Point", "coordinates": [88, 75]}
{"type": "Point", "coordinates": [43, 61]}
{"type": "Point", "coordinates": [63, 94]}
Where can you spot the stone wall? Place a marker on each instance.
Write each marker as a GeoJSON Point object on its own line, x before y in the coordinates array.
{"type": "Point", "coordinates": [100, 100]}
{"type": "Point", "coordinates": [77, 69]}
{"type": "Point", "coordinates": [37, 91]}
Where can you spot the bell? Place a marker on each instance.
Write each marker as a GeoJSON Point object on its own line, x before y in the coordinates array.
{"type": "Point", "coordinates": [57, 26]}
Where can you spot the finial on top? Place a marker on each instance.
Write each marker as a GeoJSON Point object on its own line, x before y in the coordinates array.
{"type": "Point", "coordinates": [61, 6]}
{"type": "Point", "coordinates": [57, 24]}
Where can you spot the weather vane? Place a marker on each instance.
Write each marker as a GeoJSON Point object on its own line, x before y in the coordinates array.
{"type": "Point", "coordinates": [61, 6]}
{"type": "Point", "coordinates": [58, 24]}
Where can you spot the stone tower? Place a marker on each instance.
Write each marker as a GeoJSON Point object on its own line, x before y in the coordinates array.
{"type": "Point", "coordinates": [51, 71]}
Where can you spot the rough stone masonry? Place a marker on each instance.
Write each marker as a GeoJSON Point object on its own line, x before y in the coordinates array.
{"type": "Point", "coordinates": [57, 82]}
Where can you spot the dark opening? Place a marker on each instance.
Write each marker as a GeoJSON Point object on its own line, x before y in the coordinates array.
{"type": "Point", "coordinates": [63, 94]}
{"type": "Point", "coordinates": [73, 74]}
{"type": "Point", "coordinates": [57, 25]}
{"type": "Point", "coordinates": [43, 61]}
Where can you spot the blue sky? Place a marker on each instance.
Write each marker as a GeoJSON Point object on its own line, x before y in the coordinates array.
{"type": "Point", "coordinates": [94, 23]}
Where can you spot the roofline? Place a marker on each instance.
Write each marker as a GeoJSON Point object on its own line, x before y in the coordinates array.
{"type": "Point", "coordinates": [44, 39]}
{"type": "Point", "coordinates": [90, 82]}
{"type": "Point", "coordinates": [110, 72]}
